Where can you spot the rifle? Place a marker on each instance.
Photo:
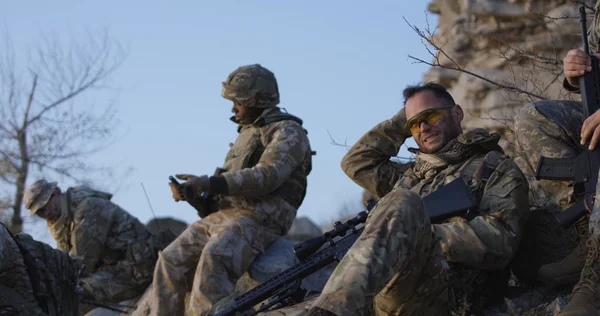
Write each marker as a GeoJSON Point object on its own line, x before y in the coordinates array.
{"type": "Point", "coordinates": [284, 289]}
{"type": "Point", "coordinates": [583, 169]}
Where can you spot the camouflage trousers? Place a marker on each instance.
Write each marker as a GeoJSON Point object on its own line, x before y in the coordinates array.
{"type": "Point", "coordinates": [396, 267]}
{"type": "Point", "coordinates": [13, 275]}
{"type": "Point", "coordinates": [551, 129]}
{"type": "Point", "coordinates": [124, 280]}
{"type": "Point", "coordinates": [207, 259]}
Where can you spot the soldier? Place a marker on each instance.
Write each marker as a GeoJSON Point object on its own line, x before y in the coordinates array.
{"type": "Point", "coordinates": [262, 186]}
{"type": "Point", "coordinates": [36, 279]}
{"type": "Point", "coordinates": [402, 264]}
{"type": "Point", "coordinates": [117, 251]}
{"type": "Point", "coordinates": [557, 129]}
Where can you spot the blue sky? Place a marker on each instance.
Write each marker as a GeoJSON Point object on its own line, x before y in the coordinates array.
{"type": "Point", "coordinates": [341, 67]}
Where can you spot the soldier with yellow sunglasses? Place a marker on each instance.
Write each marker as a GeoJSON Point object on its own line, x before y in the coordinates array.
{"type": "Point", "coordinates": [429, 117]}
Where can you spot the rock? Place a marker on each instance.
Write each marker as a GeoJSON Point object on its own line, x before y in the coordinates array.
{"type": "Point", "coordinates": [302, 229]}
{"type": "Point", "coordinates": [557, 305]}
{"type": "Point", "coordinates": [276, 259]}
{"type": "Point", "coordinates": [496, 39]}
{"type": "Point", "coordinates": [494, 8]}
{"type": "Point", "coordinates": [174, 225]}
{"type": "Point", "coordinates": [560, 20]}
{"type": "Point", "coordinates": [441, 75]}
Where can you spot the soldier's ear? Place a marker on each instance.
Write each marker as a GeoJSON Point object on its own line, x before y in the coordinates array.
{"type": "Point", "coordinates": [457, 113]}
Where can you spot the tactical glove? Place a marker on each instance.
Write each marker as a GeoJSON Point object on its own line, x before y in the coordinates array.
{"type": "Point", "coordinates": [193, 186]}
{"type": "Point", "coordinates": [177, 191]}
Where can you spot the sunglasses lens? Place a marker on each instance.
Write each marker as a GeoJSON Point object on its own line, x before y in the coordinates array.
{"type": "Point", "coordinates": [415, 128]}
{"type": "Point", "coordinates": [435, 116]}
{"type": "Point", "coordinates": [430, 118]}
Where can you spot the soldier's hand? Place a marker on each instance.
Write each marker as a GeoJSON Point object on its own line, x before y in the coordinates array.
{"type": "Point", "coordinates": [591, 130]}
{"type": "Point", "coordinates": [575, 64]}
{"type": "Point", "coordinates": [177, 191]}
{"type": "Point", "coordinates": [193, 185]}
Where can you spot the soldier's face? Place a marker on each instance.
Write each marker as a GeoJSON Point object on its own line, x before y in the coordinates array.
{"type": "Point", "coordinates": [239, 111]}
{"type": "Point", "coordinates": [50, 211]}
{"type": "Point", "coordinates": [432, 122]}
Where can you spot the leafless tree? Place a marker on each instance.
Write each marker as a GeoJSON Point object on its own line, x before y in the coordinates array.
{"type": "Point", "coordinates": [49, 122]}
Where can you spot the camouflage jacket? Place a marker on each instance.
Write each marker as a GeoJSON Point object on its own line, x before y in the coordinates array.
{"type": "Point", "coordinates": [98, 231]}
{"type": "Point", "coordinates": [487, 241]}
{"type": "Point", "coordinates": [269, 161]}
{"type": "Point", "coordinates": [594, 31]}
{"type": "Point", "coordinates": [36, 279]}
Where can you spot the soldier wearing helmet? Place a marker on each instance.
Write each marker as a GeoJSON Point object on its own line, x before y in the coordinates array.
{"type": "Point", "coordinates": [254, 199]}
{"type": "Point", "coordinates": [117, 251]}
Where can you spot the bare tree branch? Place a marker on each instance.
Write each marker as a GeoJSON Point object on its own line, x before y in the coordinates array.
{"type": "Point", "coordinates": [345, 145]}
{"type": "Point", "coordinates": [426, 38]}
{"type": "Point", "coordinates": [46, 125]}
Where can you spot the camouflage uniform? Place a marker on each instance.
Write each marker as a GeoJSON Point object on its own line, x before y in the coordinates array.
{"type": "Point", "coordinates": [403, 264]}
{"type": "Point", "coordinates": [266, 176]}
{"type": "Point", "coordinates": [13, 274]}
{"type": "Point", "coordinates": [36, 279]}
{"type": "Point", "coordinates": [552, 128]}
{"type": "Point", "coordinates": [117, 250]}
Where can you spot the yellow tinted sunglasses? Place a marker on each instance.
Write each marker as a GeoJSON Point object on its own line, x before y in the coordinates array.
{"type": "Point", "coordinates": [429, 116]}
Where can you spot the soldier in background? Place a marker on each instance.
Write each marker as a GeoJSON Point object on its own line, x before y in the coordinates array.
{"type": "Point", "coordinates": [117, 250]}
{"type": "Point", "coordinates": [557, 129]}
{"type": "Point", "coordinates": [258, 192]}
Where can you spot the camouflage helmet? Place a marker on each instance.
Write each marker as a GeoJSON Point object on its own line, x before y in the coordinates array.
{"type": "Point", "coordinates": [38, 194]}
{"type": "Point", "coordinates": [252, 86]}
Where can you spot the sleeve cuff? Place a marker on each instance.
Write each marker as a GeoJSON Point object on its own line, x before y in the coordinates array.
{"type": "Point", "coordinates": [218, 185]}
{"type": "Point", "coordinates": [400, 120]}
{"type": "Point", "coordinates": [569, 87]}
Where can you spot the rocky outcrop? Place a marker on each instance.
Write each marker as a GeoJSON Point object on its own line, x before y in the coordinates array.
{"type": "Point", "coordinates": [302, 229]}
{"type": "Point", "coordinates": [517, 43]}
{"type": "Point", "coordinates": [168, 223]}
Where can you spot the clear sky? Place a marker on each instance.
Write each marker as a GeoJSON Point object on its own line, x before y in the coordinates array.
{"type": "Point", "coordinates": [341, 67]}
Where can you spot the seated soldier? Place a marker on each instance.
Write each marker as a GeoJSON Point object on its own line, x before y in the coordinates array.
{"type": "Point", "coordinates": [257, 196]}
{"type": "Point", "coordinates": [402, 264]}
{"type": "Point", "coordinates": [557, 129]}
{"type": "Point", "coordinates": [117, 251]}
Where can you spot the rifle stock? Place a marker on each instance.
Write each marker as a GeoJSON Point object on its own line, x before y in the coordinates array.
{"type": "Point", "coordinates": [583, 169]}
{"type": "Point", "coordinates": [283, 289]}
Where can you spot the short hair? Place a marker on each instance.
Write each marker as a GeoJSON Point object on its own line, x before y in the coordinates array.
{"type": "Point", "coordinates": [438, 90]}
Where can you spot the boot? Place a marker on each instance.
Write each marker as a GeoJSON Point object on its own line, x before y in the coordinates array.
{"type": "Point", "coordinates": [584, 293]}
{"type": "Point", "coordinates": [568, 270]}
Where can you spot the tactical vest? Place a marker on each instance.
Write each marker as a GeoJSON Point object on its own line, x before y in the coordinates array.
{"type": "Point", "coordinates": [471, 287]}
{"type": "Point", "coordinates": [475, 172]}
{"type": "Point", "coordinates": [249, 147]}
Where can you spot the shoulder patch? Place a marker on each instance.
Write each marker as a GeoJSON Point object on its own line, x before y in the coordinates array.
{"type": "Point", "coordinates": [490, 162]}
